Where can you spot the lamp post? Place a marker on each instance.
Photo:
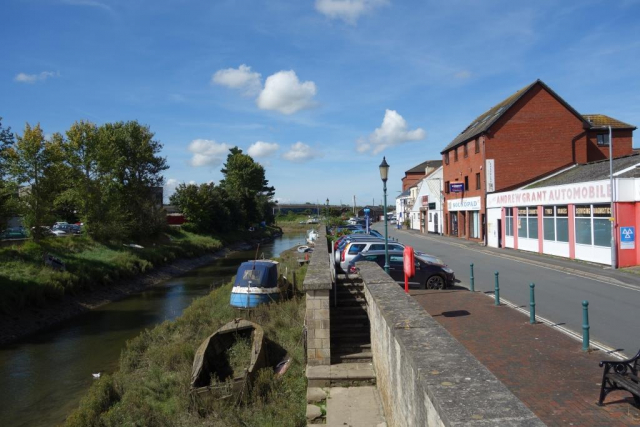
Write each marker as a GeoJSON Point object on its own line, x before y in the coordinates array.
{"type": "Point", "coordinates": [327, 209]}
{"type": "Point", "coordinates": [384, 174]}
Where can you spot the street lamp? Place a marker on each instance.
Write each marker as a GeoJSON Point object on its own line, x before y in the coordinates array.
{"type": "Point", "coordinates": [384, 175]}
{"type": "Point", "coordinates": [327, 209]}
{"type": "Point", "coordinates": [612, 206]}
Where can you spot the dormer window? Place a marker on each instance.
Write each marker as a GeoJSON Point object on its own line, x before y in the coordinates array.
{"type": "Point", "coordinates": [603, 139]}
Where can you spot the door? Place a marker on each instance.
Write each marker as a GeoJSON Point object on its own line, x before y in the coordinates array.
{"type": "Point", "coordinates": [500, 233]}
{"type": "Point", "coordinates": [454, 224]}
{"type": "Point", "coordinates": [435, 223]}
{"type": "Point", "coordinates": [424, 221]}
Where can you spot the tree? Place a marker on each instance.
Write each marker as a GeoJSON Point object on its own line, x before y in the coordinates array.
{"type": "Point", "coordinates": [6, 189]}
{"type": "Point", "coordinates": [128, 169]}
{"type": "Point", "coordinates": [245, 182]}
{"type": "Point", "coordinates": [204, 206]}
{"type": "Point", "coordinates": [35, 163]}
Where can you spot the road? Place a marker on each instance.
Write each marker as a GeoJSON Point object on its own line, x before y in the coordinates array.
{"type": "Point", "coordinates": [613, 305]}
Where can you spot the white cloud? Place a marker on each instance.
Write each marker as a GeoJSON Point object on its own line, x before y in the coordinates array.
{"type": "Point", "coordinates": [32, 78]}
{"type": "Point", "coordinates": [262, 149]}
{"type": "Point", "coordinates": [301, 152]}
{"type": "Point", "coordinates": [283, 92]}
{"type": "Point", "coordinates": [207, 152]}
{"type": "Point", "coordinates": [170, 186]}
{"type": "Point", "coordinates": [241, 78]}
{"type": "Point", "coordinates": [393, 131]}
{"type": "Point", "coordinates": [347, 10]}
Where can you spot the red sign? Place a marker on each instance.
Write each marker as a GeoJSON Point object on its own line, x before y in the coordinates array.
{"type": "Point", "coordinates": [425, 200]}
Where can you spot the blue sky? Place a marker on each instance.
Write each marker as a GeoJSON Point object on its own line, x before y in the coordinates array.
{"type": "Point", "coordinates": [318, 90]}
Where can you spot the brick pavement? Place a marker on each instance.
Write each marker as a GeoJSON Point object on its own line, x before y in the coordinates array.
{"type": "Point", "coordinates": [543, 367]}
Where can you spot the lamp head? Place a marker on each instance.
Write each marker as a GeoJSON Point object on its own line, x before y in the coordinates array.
{"type": "Point", "coordinates": [384, 170]}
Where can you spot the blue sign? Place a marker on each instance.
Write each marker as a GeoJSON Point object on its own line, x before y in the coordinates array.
{"type": "Point", "coordinates": [456, 188]}
{"type": "Point", "coordinates": [627, 237]}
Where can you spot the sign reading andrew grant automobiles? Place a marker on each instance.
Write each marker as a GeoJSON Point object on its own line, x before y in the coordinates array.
{"type": "Point", "coordinates": [467, 204]}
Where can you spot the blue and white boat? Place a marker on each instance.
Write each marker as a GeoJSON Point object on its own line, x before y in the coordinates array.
{"type": "Point", "coordinates": [257, 282]}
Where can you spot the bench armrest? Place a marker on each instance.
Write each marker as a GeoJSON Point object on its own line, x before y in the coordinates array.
{"type": "Point", "coordinates": [621, 364]}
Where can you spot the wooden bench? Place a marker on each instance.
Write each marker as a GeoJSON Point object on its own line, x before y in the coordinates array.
{"type": "Point", "coordinates": [621, 375]}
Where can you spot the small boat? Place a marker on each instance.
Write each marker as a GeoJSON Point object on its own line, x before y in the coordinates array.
{"type": "Point", "coordinates": [257, 282]}
{"type": "Point", "coordinates": [303, 248]}
{"type": "Point", "coordinates": [312, 235]}
{"type": "Point", "coordinates": [211, 361]}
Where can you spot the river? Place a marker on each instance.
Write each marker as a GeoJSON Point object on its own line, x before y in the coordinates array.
{"type": "Point", "coordinates": [43, 377]}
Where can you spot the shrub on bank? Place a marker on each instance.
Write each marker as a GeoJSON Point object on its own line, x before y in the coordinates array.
{"type": "Point", "coordinates": [151, 387]}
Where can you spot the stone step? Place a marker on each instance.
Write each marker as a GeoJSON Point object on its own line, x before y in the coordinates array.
{"type": "Point", "coordinates": [343, 374]}
{"type": "Point", "coordinates": [352, 357]}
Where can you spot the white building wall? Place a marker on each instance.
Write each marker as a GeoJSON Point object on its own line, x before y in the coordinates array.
{"type": "Point", "coordinates": [493, 215]}
{"type": "Point", "coordinates": [432, 187]}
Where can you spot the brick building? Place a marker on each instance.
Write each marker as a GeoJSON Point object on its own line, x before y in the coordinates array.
{"type": "Point", "coordinates": [416, 173]}
{"type": "Point", "coordinates": [530, 134]}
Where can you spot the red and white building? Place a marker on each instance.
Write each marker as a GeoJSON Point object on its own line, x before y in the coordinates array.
{"type": "Point", "coordinates": [568, 214]}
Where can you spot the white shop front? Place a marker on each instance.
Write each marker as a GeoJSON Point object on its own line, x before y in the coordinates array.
{"type": "Point", "coordinates": [464, 216]}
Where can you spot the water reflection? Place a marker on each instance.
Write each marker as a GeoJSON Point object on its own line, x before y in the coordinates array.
{"type": "Point", "coordinates": [42, 378]}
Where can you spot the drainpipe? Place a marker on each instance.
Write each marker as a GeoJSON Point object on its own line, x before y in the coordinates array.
{"type": "Point", "coordinates": [613, 214]}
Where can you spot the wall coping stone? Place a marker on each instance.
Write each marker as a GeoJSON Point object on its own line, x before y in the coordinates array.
{"type": "Point", "coordinates": [318, 275]}
{"type": "Point", "coordinates": [462, 390]}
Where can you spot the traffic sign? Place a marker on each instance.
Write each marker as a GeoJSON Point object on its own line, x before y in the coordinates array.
{"type": "Point", "coordinates": [627, 237]}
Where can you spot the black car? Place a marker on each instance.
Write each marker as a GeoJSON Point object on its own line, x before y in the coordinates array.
{"type": "Point", "coordinates": [431, 272]}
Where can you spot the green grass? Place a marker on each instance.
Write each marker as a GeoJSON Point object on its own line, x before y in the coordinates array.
{"type": "Point", "coordinates": [151, 387]}
{"type": "Point", "coordinates": [25, 281]}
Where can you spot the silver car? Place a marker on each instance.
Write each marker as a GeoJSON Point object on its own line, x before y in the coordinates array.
{"type": "Point", "coordinates": [355, 247]}
{"type": "Point", "coordinates": [351, 238]}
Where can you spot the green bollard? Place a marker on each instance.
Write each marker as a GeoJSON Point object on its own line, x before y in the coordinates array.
{"type": "Point", "coordinates": [497, 290]}
{"type": "Point", "coordinates": [585, 325]}
{"type": "Point", "coordinates": [532, 304]}
{"type": "Point", "coordinates": [471, 284]}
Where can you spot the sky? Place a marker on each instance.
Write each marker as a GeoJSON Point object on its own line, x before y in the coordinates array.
{"type": "Point", "coordinates": [317, 91]}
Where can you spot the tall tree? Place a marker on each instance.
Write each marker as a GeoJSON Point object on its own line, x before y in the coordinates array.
{"type": "Point", "coordinates": [35, 164]}
{"type": "Point", "coordinates": [129, 168]}
{"type": "Point", "coordinates": [244, 180]}
{"type": "Point", "coordinates": [6, 189]}
{"type": "Point", "coordinates": [205, 207]}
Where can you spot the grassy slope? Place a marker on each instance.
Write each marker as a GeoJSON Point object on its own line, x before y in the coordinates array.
{"type": "Point", "coordinates": [25, 280]}
{"type": "Point", "coordinates": [151, 387]}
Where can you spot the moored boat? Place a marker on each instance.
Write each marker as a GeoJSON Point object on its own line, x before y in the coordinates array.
{"type": "Point", "coordinates": [212, 374]}
{"type": "Point", "coordinates": [257, 282]}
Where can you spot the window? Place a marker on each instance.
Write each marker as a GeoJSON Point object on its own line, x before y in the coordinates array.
{"type": "Point", "coordinates": [583, 225]}
{"type": "Point", "coordinates": [477, 146]}
{"type": "Point", "coordinates": [555, 223]}
{"type": "Point", "coordinates": [474, 224]}
{"type": "Point", "coordinates": [446, 187]}
{"type": "Point", "coordinates": [509, 221]}
{"type": "Point", "coordinates": [478, 181]}
{"type": "Point", "coordinates": [355, 249]}
{"type": "Point", "coordinates": [430, 217]}
{"type": "Point", "coordinates": [466, 150]}
{"type": "Point", "coordinates": [522, 222]}
{"type": "Point", "coordinates": [532, 219]}
{"type": "Point", "coordinates": [379, 247]}
{"type": "Point", "coordinates": [446, 158]}
{"type": "Point", "coordinates": [603, 139]}
{"type": "Point", "coordinates": [593, 226]}
{"type": "Point", "coordinates": [466, 183]}
{"type": "Point", "coordinates": [455, 154]}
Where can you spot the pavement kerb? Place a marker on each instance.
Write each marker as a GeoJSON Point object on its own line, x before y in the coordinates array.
{"type": "Point", "coordinates": [547, 265]}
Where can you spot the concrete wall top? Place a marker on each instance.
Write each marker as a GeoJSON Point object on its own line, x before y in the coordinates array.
{"type": "Point", "coordinates": [462, 391]}
{"type": "Point", "coordinates": [318, 275]}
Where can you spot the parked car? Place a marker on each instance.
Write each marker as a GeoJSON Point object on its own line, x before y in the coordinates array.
{"type": "Point", "coordinates": [344, 240]}
{"type": "Point", "coordinates": [353, 248]}
{"type": "Point", "coordinates": [371, 232]}
{"type": "Point", "coordinates": [431, 272]}
{"type": "Point", "coordinates": [13, 233]}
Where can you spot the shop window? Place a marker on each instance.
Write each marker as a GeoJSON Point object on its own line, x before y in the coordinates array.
{"type": "Point", "coordinates": [583, 225]}
{"type": "Point", "coordinates": [532, 220]}
{"type": "Point", "coordinates": [466, 183]}
{"type": "Point", "coordinates": [446, 158]}
{"type": "Point", "coordinates": [549, 223]}
{"type": "Point", "coordinates": [603, 139]}
{"type": "Point", "coordinates": [562, 224]}
{"type": "Point", "coordinates": [508, 221]}
{"type": "Point", "coordinates": [602, 225]}
{"type": "Point", "coordinates": [477, 146]}
{"type": "Point", "coordinates": [455, 154]}
{"type": "Point", "coordinates": [522, 222]}
{"type": "Point", "coordinates": [474, 225]}
{"type": "Point", "coordinates": [477, 181]}
{"type": "Point", "coordinates": [466, 150]}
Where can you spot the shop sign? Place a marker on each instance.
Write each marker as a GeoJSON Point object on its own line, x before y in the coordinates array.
{"type": "Point", "coordinates": [627, 237]}
{"type": "Point", "coordinates": [588, 192]}
{"type": "Point", "coordinates": [490, 175]}
{"type": "Point", "coordinates": [456, 187]}
{"type": "Point", "coordinates": [468, 204]}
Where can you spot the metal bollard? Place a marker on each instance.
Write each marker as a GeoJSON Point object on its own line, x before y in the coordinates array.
{"type": "Point", "coordinates": [497, 290]}
{"type": "Point", "coordinates": [471, 284]}
{"type": "Point", "coordinates": [532, 304]}
{"type": "Point", "coordinates": [585, 325]}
